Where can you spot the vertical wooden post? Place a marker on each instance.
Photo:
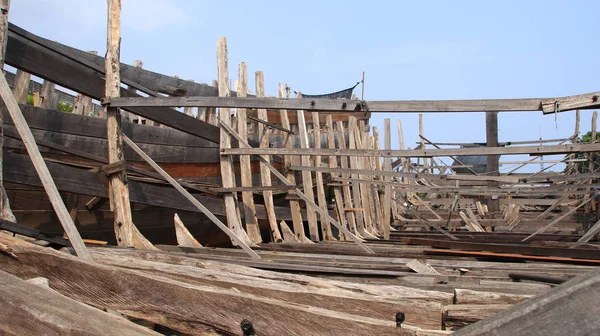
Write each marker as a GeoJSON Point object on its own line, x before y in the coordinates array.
{"type": "Point", "coordinates": [5, 211]}
{"type": "Point", "coordinates": [377, 197]}
{"type": "Point", "coordinates": [356, 194]}
{"type": "Point", "coordinates": [337, 192]}
{"type": "Point", "coordinates": [325, 225]}
{"type": "Point", "coordinates": [294, 204]}
{"type": "Point", "coordinates": [47, 95]}
{"type": "Point", "coordinates": [21, 86]}
{"type": "Point", "coordinates": [227, 172]}
{"type": "Point", "coordinates": [265, 173]}
{"type": "Point", "coordinates": [347, 192]}
{"type": "Point", "coordinates": [119, 193]}
{"type": "Point", "coordinates": [307, 177]}
{"type": "Point", "coordinates": [592, 163]}
{"type": "Point", "coordinates": [83, 104]}
{"type": "Point", "coordinates": [421, 133]}
{"type": "Point", "coordinates": [574, 166]}
{"type": "Point", "coordinates": [211, 118]}
{"type": "Point", "coordinates": [387, 166]}
{"type": "Point", "coordinates": [252, 227]}
{"type": "Point", "coordinates": [491, 127]}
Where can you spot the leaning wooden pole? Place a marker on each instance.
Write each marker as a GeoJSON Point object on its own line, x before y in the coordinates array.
{"type": "Point", "coordinates": [5, 212]}
{"type": "Point", "coordinates": [118, 191]}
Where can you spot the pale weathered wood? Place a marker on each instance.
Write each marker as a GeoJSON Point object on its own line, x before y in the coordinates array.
{"type": "Point", "coordinates": [387, 165]}
{"type": "Point", "coordinates": [245, 167]}
{"type": "Point", "coordinates": [21, 86]}
{"type": "Point", "coordinates": [287, 233]}
{"type": "Point", "coordinates": [537, 150]}
{"type": "Point", "coordinates": [300, 194]}
{"type": "Point", "coordinates": [325, 225]}
{"type": "Point", "coordinates": [356, 194]}
{"type": "Point", "coordinates": [83, 104]}
{"type": "Point", "coordinates": [119, 192]}
{"type": "Point", "coordinates": [460, 315]}
{"type": "Point", "coordinates": [42, 170]}
{"type": "Point", "coordinates": [184, 237]}
{"type": "Point", "coordinates": [226, 162]}
{"type": "Point", "coordinates": [337, 192]}
{"type": "Point", "coordinates": [334, 105]}
{"type": "Point", "coordinates": [265, 174]}
{"type": "Point", "coordinates": [307, 182]}
{"type": "Point", "coordinates": [294, 204]}
{"type": "Point", "coordinates": [47, 95]}
{"type": "Point", "coordinates": [420, 267]}
{"type": "Point", "coordinates": [466, 296]}
{"type": "Point", "coordinates": [31, 309]}
{"type": "Point", "coordinates": [5, 211]}
{"type": "Point", "coordinates": [231, 233]}
{"type": "Point", "coordinates": [347, 193]}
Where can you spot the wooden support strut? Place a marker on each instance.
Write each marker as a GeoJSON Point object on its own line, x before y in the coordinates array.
{"type": "Point", "coordinates": [119, 193]}
{"type": "Point", "coordinates": [238, 241]}
{"type": "Point", "coordinates": [299, 192]}
{"type": "Point", "coordinates": [42, 170]}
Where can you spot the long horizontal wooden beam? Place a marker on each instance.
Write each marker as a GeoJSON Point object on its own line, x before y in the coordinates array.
{"type": "Point", "coordinates": [530, 150]}
{"type": "Point", "coordinates": [589, 100]}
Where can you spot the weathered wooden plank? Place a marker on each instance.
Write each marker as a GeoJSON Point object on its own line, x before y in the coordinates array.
{"type": "Point", "coordinates": [569, 309]}
{"type": "Point", "coordinates": [118, 191]}
{"type": "Point", "coordinates": [245, 168]}
{"type": "Point", "coordinates": [387, 166]}
{"type": "Point", "coordinates": [325, 225]}
{"type": "Point", "coordinates": [42, 170]}
{"type": "Point", "coordinates": [42, 62]}
{"type": "Point", "coordinates": [31, 309]}
{"type": "Point", "coordinates": [333, 105]}
{"type": "Point", "coordinates": [265, 174]}
{"type": "Point", "coordinates": [307, 181]}
{"type": "Point", "coordinates": [191, 308]}
{"type": "Point", "coordinates": [294, 204]}
{"type": "Point", "coordinates": [537, 150]}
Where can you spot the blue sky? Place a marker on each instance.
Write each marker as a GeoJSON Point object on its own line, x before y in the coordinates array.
{"type": "Point", "coordinates": [408, 49]}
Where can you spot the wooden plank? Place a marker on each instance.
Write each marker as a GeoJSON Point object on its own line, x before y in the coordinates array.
{"type": "Point", "coordinates": [5, 211]}
{"type": "Point", "coordinates": [387, 165]}
{"type": "Point", "coordinates": [348, 201]}
{"type": "Point", "coordinates": [19, 169]}
{"type": "Point", "coordinates": [357, 198]}
{"type": "Point", "coordinates": [118, 191]}
{"type": "Point", "coordinates": [420, 267]}
{"type": "Point", "coordinates": [42, 170]}
{"type": "Point", "coordinates": [294, 204]}
{"type": "Point", "coordinates": [575, 300]}
{"type": "Point", "coordinates": [537, 150]}
{"type": "Point", "coordinates": [231, 233]}
{"type": "Point", "coordinates": [83, 104]}
{"type": "Point", "coordinates": [334, 105]}
{"type": "Point", "coordinates": [265, 174]}
{"type": "Point", "coordinates": [245, 168]}
{"type": "Point", "coordinates": [594, 230]}
{"type": "Point", "coordinates": [307, 182]}
{"type": "Point", "coordinates": [227, 172]}
{"type": "Point", "coordinates": [506, 248]}
{"type": "Point", "coordinates": [325, 225]}
{"type": "Point", "coordinates": [337, 191]}
{"type": "Point", "coordinates": [32, 309]}
{"type": "Point", "coordinates": [42, 62]}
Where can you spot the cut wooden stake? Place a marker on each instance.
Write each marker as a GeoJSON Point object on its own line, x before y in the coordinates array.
{"type": "Point", "coordinates": [47, 95]}
{"type": "Point", "coordinates": [265, 175]}
{"type": "Point", "coordinates": [337, 191]}
{"type": "Point", "coordinates": [294, 204]}
{"type": "Point", "coordinates": [245, 166]}
{"type": "Point", "coordinates": [347, 193]}
{"type": "Point", "coordinates": [139, 241]}
{"type": "Point", "coordinates": [40, 166]}
{"type": "Point", "coordinates": [192, 199]}
{"type": "Point", "coordinates": [474, 220]}
{"type": "Point", "coordinates": [22, 86]}
{"type": "Point", "coordinates": [227, 171]}
{"type": "Point", "coordinates": [594, 230]}
{"type": "Point", "coordinates": [119, 193]}
{"type": "Point", "coordinates": [288, 234]}
{"type": "Point", "coordinates": [83, 104]}
{"type": "Point", "coordinates": [125, 115]}
{"type": "Point", "coordinates": [299, 193]}
{"type": "Point", "coordinates": [184, 237]}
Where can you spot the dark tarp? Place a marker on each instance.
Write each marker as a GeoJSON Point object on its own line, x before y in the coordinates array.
{"type": "Point", "coordinates": [346, 94]}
